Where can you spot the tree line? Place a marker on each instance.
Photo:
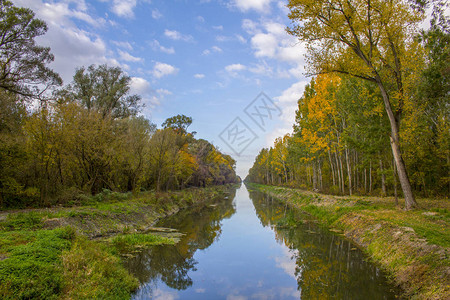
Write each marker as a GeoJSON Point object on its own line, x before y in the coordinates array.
{"type": "Point", "coordinates": [374, 119]}
{"type": "Point", "coordinates": [57, 143]}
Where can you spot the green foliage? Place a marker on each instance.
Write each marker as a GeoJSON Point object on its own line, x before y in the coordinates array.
{"type": "Point", "coordinates": [179, 123]}
{"type": "Point", "coordinates": [103, 89]}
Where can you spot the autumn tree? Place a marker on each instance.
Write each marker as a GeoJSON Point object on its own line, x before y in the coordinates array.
{"type": "Point", "coordinates": [368, 39]}
{"type": "Point", "coordinates": [179, 123]}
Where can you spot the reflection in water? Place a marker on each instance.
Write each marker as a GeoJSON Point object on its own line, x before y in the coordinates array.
{"type": "Point", "coordinates": [324, 265]}
{"type": "Point", "coordinates": [171, 264]}
{"type": "Point", "coordinates": [234, 250]}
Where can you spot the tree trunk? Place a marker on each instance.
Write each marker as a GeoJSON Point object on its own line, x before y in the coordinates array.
{"type": "Point", "coordinates": [383, 178]}
{"type": "Point", "coordinates": [349, 172]}
{"type": "Point", "coordinates": [332, 167]}
{"type": "Point", "coordinates": [410, 202]}
{"type": "Point", "coordinates": [338, 172]}
{"type": "Point", "coordinates": [320, 176]}
{"type": "Point", "coordinates": [365, 180]}
{"type": "Point", "coordinates": [314, 176]}
{"type": "Point", "coordinates": [342, 173]}
{"type": "Point", "coordinates": [395, 182]}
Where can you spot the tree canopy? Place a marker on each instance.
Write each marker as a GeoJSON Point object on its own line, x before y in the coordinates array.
{"type": "Point", "coordinates": [23, 64]}
{"type": "Point", "coordinates": [105, 89]}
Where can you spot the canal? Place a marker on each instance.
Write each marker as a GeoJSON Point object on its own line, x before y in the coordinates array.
{"type": "Point", "coordinates": [251, 246]}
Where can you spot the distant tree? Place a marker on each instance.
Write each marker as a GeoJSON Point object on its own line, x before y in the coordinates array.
{"type": "Point", "coordinates": [179, 123]}
{"type": "Point", "coordinates": [23, 67]}
{"type": "Point", "coordinates": [103, 89]}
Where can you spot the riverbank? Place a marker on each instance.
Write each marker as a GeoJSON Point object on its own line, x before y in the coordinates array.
{"type": "Point", "coordinates": [412, 246]}
{"type": "Point", "coordinates": [74, 252]}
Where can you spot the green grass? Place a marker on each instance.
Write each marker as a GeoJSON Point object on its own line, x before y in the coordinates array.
{"type": "Point", "coordinates": [21, 221]}
{"type": "Point", "coordinates": [92, 271]}
{"type": "Point", "coordinates": [33, 270]}
{"type": "Point", "coordinates": [55, 264]}
{"type": "Point", "coordinates": [127, 242]}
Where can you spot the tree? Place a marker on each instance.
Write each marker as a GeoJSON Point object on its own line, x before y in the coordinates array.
{"type": "Point", "coordinates": [104, 89]}
{"type": "Point", "coordinates": [179, 123]}
{"type": "Point", "coordinates": [368, 39]}
{"type": "Point", "coordinates": [23, 67]}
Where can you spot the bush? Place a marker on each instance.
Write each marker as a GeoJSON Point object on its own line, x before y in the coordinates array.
{"type": "Point", "coordinates": [71, 196]}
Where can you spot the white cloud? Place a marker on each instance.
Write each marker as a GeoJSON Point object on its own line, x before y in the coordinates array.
{"type": "Point", "coordinates": [269, 40]}
{"type": "Point", "coordinates": [250, 26]}
{"type": "Point", "coordinates": [288, 101]}
{"type": "Point", "coordinates": [222, 38]}
{"type": "Point", "coordinates": [128, 57]}
{"type": "Point", "coordinates": [216, 49]}
{"type": "Point", "coordinates": [123, 8]}
{"type": "Point", "coordinates": [177, 36]}
{"type": "Point", "coordinates": [262, 6]}
{"type": "Point", "coordinates": [71, 46]}
{"type": "Point", "coordinates": [125, 45]}
{"type": "Point", "coordinates": [264, 44]}
{"type": "Point", "coordinates": [161, 69]}
{"type": "Point", "coordinates": [141, 87]}
{"type": "Point", "coordinates": [236, 297]}
{"type": "Point", "coordinates": [156, 14]}
{"type": "Point", "coordinates": [199, 76]}
{"type": "Point", "coordinates": [241, 39]}
{"type": "Point", "coordinates": [158, 47]}
{"type": "Point", "coordinates": [200, 19]}
{"type": "Point", "coordinates": [59, 12]}
{"type": "Point", "coordinates": [213, 49]}
{"type": "Point", "coordinates": [220, 27]}
{"type": "Point", "coordinates": [235, 68]}
{"type": "Point", "coordinates": [261, 69]}
{"type": "Point", "coordinates": [163, 92]}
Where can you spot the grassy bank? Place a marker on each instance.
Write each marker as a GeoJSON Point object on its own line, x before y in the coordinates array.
{"type": "Point", "coordinates": [74, 252]}
{"type": "Point", "coordinates": [412, 246]}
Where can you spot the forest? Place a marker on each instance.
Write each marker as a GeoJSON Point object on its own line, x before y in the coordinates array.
{"type": "Point", "coordinates": [374, 118]}
{"type": "Point", "coordinates": [59, 143]}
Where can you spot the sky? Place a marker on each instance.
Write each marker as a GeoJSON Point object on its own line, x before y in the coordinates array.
{"type": "Point", "coordinates": [228, 64]}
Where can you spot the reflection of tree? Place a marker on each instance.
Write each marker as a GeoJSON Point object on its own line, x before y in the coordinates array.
{"type": "Point", "coordinates": [164, 262]}
{"type": "Point", "coordinates": [201, 226]}
{"type": "Point", "coordinates": [326, 265]}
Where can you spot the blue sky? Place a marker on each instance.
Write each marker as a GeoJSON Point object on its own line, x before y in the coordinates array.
{"type": "Point", "coordinates": [205, 59]}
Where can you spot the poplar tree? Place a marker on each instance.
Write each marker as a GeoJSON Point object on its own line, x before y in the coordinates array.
{"type": "Point", "coordinates": [368, 39]}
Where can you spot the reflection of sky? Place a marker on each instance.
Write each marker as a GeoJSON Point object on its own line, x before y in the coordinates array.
{"type": "Point", "coordinates": [245, 263]}
{"type": "Point", "coordinates": [287, 261]}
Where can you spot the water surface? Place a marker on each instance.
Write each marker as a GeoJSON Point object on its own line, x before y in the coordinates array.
{"type": "Point", "coordinates": [245, 247]}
